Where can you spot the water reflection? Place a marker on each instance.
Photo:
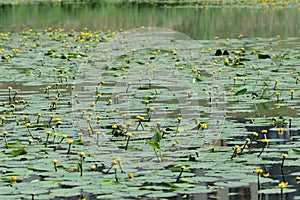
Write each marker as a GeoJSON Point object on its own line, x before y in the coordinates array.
{"type": "Point", "coordinates": [198, 23]}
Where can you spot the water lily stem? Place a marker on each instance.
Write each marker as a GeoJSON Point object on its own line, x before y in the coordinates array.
{"type": "Point", "coordinates": [92, 130]}
{"type": "Point", "coordinates": [235, 151]}
{"type": "Point", "coordinates": [30, 132]}
{"type": "Point", "coordinates": [258, 181]}
{"type": "Point", "coordinates": [119, 163]}
{"type": "Point", "coordinates": [262, 150]}
{"type": "Point", "coordinates": [69, 148]}
{"type": "Point", "coordinates": [108, 169]}
{"type": "Point", "coordinates": [244, 146]}
{"type": "Point", "coordinates": [9, 96]}
{"type": "Point", "coordinates": [47, 140]}
{"type": "Point", "coordinates": [116, 176]}
{"type": "Point", "coordinates": [282, 172]}
{"type": "Point", "coordinates": [159, 158]}
{"type": "Point", "coordinates": [55, 167]}
{"type": "Point", "coordinates": [38, 120]}
{"type": "Point", "coordinates": [127, 89]}
{"type": "Point", "coordinates": [97, 139]}
{"type": "Point", "coordinates": [6, 144]}
{"type": "Point", "coordinates": [180, 174]}
{"type": "Point", "coordinates": [234, 154]}
{"type": "Point", "coordinates": [139, 124]}
{"type": "Point", "coordinates": [81, 166]}
{"type": "Point", "coordinates": [128, 138]}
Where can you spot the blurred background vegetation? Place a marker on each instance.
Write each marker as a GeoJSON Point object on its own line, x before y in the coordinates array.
{"type": "Point", "coordinates": [198, 19]}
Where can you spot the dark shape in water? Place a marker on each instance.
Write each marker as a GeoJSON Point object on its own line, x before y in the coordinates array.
{"type": "Point", "coordinates": [218, 52]}
{"type": "Point", "coordinates": [225, 53]}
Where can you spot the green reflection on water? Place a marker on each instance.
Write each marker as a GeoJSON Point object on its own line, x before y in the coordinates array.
{"type": "Point", "coordinates": [202, 23]}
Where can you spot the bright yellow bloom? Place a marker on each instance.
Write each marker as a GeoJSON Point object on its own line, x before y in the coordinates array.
{"type": "Point", "coordinates": [131, 175]}
{"type": "Point", "coordinates": [57, 119]}
{"type": "Point", "coordinates": [115, 167]}
{"type": "Point", "coordinates": [265, 140]}
{"type": "Point", "coordinates": [69, 141]}
{"type": "Point", "coordinates": [264, 131]}
{"type": "Point", "coordinates": [64, 136]}
{"type": "Point", "coordinates": [258, 171]}
{"type": "Point", "coordinates": [204, 126]}
{"type": "Point", "coordinates": [117, 160]}
{"type": "Point", "coordinates": [292, 91]}
{"type": "Point", "coordinates": [280, 131]}
{"type": "Point", "coordinates": [81, 154]}
{"type": "Point", "coordinates": [48, 132]}
{"type": "Point", "coordinates": [128, 123]}
{"type": "Point", "coordinates": [266, 174]}
{"type": "Point", "coordinates": [93, 168]}
{"type": "Point", "coordinates": [54, 161]}
{"type": "Point", "coordinates": [114, 126]}
{"type": "Point", "coordinates": [183, 167]}
{"type": "Point", "coordinates": [282, 184]}
{"type": "Point", "coordinates": [236, 148]}
{"type": "Point", "coordinates": [13, 180]}
{"type": "Point", "coordinates": [284, 155]}
{"type": "Point", "coordinates": [255, 134]}
{"type": "Point", "coordinates": [179, 118]}
{"type": "Point", "coordinates": [4, 132]}
{"type": "Point", "coordinates": [128, 134]}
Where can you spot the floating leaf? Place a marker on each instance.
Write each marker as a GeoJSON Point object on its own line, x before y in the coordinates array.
{"type": "Point", "coordinates": [241, 92]}
{"type": "Point", "coordinates": [19, 152]}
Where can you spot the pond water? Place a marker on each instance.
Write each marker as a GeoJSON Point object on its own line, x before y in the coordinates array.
{"type": "Point", "coordinates": [96, 79]}
{"type": "Point", "coordinates": [197, 22]}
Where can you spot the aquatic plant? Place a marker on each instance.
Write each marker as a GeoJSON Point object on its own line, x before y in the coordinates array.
{"type": "Point", "coordinates": [265, 142]}
{"type": "Point", "coordinates": [4, 133]}
{"type": "Point", "coordinates": [80, 164]}
{"type": "Point", "coordinates": [54, 161]}
{"type": "Point", "coordinates": [128, 135]}
{"type": "Point", "coordinates": [180, 174]}
{"type": "Point", "coordinates": [70, 142]}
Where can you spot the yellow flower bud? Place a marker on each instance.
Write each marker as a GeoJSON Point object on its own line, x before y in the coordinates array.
{"type": "Point", "coordinates": [13, 180]}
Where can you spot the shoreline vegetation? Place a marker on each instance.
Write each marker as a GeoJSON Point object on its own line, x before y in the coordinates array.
{"type": "Point", "coordinates": [202, 20]}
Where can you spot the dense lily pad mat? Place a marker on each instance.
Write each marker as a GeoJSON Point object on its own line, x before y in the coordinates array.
{"type": "Point", "coordinates": [146, 113]}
